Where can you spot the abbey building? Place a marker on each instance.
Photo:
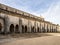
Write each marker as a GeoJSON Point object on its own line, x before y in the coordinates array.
{"type": "Point", "coordinates": [16, 21]}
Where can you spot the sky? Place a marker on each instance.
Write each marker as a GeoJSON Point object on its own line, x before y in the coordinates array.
{"type": "Point", "coordinates": [48, 9]}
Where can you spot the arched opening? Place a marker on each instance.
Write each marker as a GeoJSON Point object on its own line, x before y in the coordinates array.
{"type": "Point", "coordinates": [32, 29]}
{"type": "Point", "coordinates": [11, 28]}
{"type": "Point", "coordinates": [47, 30]}
{"type": "Point", "coordinates": [22, 29]}
{"type": "Point", "coordinates": [25, 28]}
{"type": "Point", "coordinates": [16, 29]}
{"type": "Point", "coordinates": [38, 29]}
{"type": "Point", "coordinates": [0, 27]}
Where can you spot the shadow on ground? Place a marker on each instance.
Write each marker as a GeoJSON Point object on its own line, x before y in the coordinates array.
{"type": "Point", "coordinates": [25, 35]}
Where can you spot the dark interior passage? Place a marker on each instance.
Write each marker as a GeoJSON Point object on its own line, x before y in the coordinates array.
{"type": "Point", "coordinates": [11, 28]}
{"type": "Point", "coordinates": [25, 28]}
{"type": "Point", "coordinates": [0, 27]}
{"type": "Point", "coordinates": [17, 29]}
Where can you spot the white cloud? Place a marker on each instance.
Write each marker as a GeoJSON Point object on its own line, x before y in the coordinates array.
{"type": "Point", "coordinates": [53, 13]}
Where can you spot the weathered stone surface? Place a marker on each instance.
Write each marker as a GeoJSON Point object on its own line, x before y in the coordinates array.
{"type": "Point", "coordinates": [25, 22]}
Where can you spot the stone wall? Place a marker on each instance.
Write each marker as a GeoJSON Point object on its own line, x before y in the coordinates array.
{"type": "Point", "coordinates": [15, 21]}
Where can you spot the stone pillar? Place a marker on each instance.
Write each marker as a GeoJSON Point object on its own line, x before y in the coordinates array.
{"type": "Point", "coordinates": [29, 26]}
{"type": "Point", "coordinates": [52, 28]}
{"type": "Point", "coordinates": [35, 26]}
{"type": "Point", "coordinates": [20, 25]}
{"type": "Point", "coordinates": [6, 24]}
{"type": "Point", "coordinates": [47, 28]}
{"type": "Point", "coordinates": [57, 28]}
{"type": "Point", "coordinates": [40, 27]}
{"type": "Point", "coordinates": [44, 27]}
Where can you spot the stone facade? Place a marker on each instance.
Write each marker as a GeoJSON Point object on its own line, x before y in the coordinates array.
{"type": "Point", "coordinates": [16, 21]}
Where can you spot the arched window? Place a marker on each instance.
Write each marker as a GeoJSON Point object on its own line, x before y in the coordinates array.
{"type": "Point", "coordinates": [11, 28]}
{"type": "Point", "coordinates": [17, 29]}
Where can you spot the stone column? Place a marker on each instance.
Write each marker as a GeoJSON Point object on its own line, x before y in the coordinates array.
{"type": "Point", "coordinates": [47, 28]}
{"type": "Point", "coordinates": [57, 28]}
{"type": "Point", "coordinates": [20, 25]}
{"type": "Point", "coordinates": [35, 26]}
{"type": "Point", "coordinates": [40, 27]}
{"type": "Point", "coordinates": [52, 28]}
{"type": "Point", "coordinates": [44, 27]}
{"type": "Point", "coordinates": [6, 24]}
{"type": "Point", "coordinates": [29, 26]}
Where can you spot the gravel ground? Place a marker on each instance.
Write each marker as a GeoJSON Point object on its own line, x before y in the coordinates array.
{"type": "Point", "coordinates": [48, 40]}
{"type": "Point", "coordinates": [35, 39]}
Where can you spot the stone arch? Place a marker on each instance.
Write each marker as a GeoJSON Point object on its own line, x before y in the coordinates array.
{"type": "Point", "coordinates": [17, 28]}
{"type": "Point", "coordinates": [22, 29]}
{"type": "Point", "coordinates": [0, 27]}
{"type": "Point", "coordinates": [11, 28]}
{"type": "Point", "coordinates": [25, 28]}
